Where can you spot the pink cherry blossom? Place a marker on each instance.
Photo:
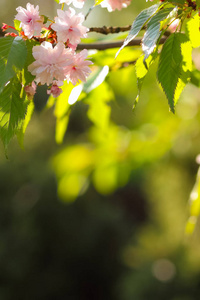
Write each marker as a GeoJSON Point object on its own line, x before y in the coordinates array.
{"type": "Point", "coordinates": [50, 62]}
{"type": "Point", "coordinates": [78, 69]}
{"type": "Point", "coordinates": [55, 90]}
{"type": "Point", "coordinates": [31, 22]}
{"type": "Point", "coordinates": [76, 3]}
{"type": "Point", "coordinates": [30, 90]}
{"type": "Point", "coordinates": [111, 5]}
{"type": "Point", "coordinates": [69, 26]}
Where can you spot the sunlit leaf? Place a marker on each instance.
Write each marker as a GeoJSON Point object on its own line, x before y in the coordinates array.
{"type": "Point", "coordinates": [192, 30]}
{"type": "Point", "coordinates": [138, 23]}
{"type": "Point", "coordinates": [17, 24]}
{"type": "Point", "coordinates": [99, 110]}
{"type": "Point", "coordinates": [174, 66]}
{"type": "Point", "coordinates": [97, 2]}
{"type": "Point", "coordinates": [13, 110]}
{"type": "Point", "coordinates": [141, 70]}
{"type": "Point", "coordinates": [62, 111]}
{"type": "Point", "coordinates": [21, 131]}
{"type": "Point", "coordinates": [153, 31]}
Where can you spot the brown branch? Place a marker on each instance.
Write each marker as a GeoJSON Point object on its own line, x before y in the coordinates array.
{"type": "Point", "coordinates": [109, 45]}
{"type": "Point", "coordinates": [107, 30]}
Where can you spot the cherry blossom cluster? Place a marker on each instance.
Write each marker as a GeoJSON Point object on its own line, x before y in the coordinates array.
{"type": "Point", "coordinates": [55, 58]}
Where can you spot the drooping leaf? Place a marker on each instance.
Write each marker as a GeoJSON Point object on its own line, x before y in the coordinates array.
{"type": "Point", "coordinates": [138, 23]}
{"type": "Point", "coordinates": [153, 31]}
{"type": "Point", "coordinates": [13, 54]}
{"type": "Point", "coordinates": [20, 133]}
{"type": "Point", "coordinates": [174, 66]}
{"type": "Point", "coordinates": [13, 109]}
{"type": "Point", "coordinates": [192, 30]}
{"type": "Point", "coordinates": [141, 70]}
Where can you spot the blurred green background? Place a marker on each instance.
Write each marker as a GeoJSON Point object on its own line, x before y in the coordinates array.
{"type": "Point", "coordinates": [103, 215]}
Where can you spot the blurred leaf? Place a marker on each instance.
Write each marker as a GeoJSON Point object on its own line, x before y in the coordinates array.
{"type": "Point", "coordinates": [62, 111]}
{"type": "Point", "coordinates": [107, 57]}
{"type": "Point", "coordinates": [99, 111]}
{"type": "Point", "coordinates": [105, 179]}
{"type": "Point", "coordinates": [194, 205]}
{"type": "Point", "coordinates": [73, 159]}
{"type": "Point", "coordinates": [96, 78]}
{"type": "Point", "coordinates": [192, 30]}
{"type": "Point", "coordinates": [71, 186]}
{"type": "Point", "coordinates": [195, 78]}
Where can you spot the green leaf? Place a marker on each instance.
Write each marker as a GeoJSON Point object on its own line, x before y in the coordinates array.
{"type": "Point", "coordinates": [192, 30]}
{"type": "Point", "coordinates": [13, 53]}
{"type": "Point", "coordinates": [141, 70]}
{"type": "Point", "coordinates": [97, 2]}
{"type": "Point", "coordinates": [57, 1]}
{"type": "Point", "coordinates": [13, 109]}
{"type": "Point", "coordinates": [20, 133]}
{"type": "Point", "coordinates": [138, 23]}
{"type": "Point", "coordinates": [174, 66]}
{"type": "Point", "coordinates": [17, 24]}
{"type": "Point", "coordinates": [153, 32]}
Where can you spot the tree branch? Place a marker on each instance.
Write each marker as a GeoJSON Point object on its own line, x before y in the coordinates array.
{"type": "Point", "coordinates": [107, 30]}
{"type": "Point", "coordinates": [110, 45]}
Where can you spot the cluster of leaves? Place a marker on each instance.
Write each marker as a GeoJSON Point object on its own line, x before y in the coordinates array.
{"type": "Point", "coordinates": [175, 59]}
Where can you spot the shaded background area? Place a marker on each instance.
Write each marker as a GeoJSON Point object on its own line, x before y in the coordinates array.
{"type": "Point", "coordinates": [123, 237]}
